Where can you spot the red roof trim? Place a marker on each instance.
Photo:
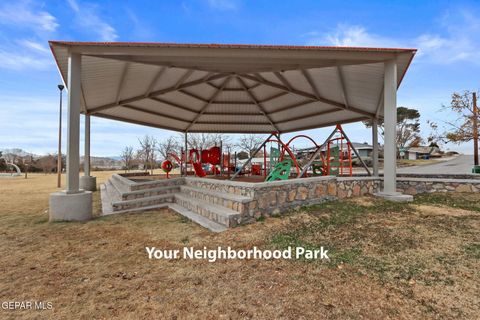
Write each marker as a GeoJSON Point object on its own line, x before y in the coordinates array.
{"type": "Point", "coordinates": [232, 46]}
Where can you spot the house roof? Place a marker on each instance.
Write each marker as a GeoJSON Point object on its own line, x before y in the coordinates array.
{"type": "Point", "coordinates": [230, 87]}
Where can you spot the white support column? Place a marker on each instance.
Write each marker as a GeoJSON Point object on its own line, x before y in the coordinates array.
{"type": "Point", "coordinates": [73, 140]}
{"type": "Point", "coordinates": [375, 147]}
{"type": "Point", "coordinates": [390, 148]}
{"type": "Point", "coordinates": [86, 159]}
{"type": "Point", "coordinates": [87, 182]}
{"type": "Point", "coordinates": [73, 204]}
{"type": "Point", "coordinates": [390, 118]}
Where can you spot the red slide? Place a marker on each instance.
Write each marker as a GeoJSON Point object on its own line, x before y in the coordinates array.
{"type": "Point", "coordinates": [198, 169]}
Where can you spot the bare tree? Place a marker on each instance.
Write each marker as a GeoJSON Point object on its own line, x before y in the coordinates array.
{"type": "Point", "coordinates": [146, 153]}
{"type": "Point", "coordinates": [170, 145]}
{"type": "Point", "coordinates": [127, 157]}
{"type": "Point", "coordinates": [202, 141]}
{"type": "Point", "coordinates": [249, 143]}
{"type": "Point", "coordinates": [47, 163]}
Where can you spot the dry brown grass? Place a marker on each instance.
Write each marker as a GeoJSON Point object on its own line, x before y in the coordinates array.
{"type": "Point", "coordinates": [410, 263]}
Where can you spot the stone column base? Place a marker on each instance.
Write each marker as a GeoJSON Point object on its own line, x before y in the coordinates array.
{"type": "Point", "coordinates": [88, 183]}
{"type": "Point", "coordinates": [70, 206]}
{"type": "Point", "coordinates": [395, 197]}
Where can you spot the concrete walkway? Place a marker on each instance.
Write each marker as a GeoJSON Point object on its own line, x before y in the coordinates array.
{"type": "Point", "coordinates": [458, 165]}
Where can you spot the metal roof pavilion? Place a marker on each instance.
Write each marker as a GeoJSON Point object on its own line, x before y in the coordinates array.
{"type": "Point", "coordinates": [224, 88]}
{"type": "Point", "coordinates": [230, 88]}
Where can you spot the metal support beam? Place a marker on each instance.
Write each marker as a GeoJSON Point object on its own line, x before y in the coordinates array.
{"type": "Point", "coordinates": [122, 81]}
{"type": "Point", "coordinates": [158, 92]}
{"type": "Point", "coordinates": [207, 104]}
{"type": "Point", "coordinates": [86, 157]}
{"type": "Point", "coordinates": [341, 78]}
{"type": "Point", "coordinates": [250, 158]}
{"type": "Point", "coordinates": [186, 154]}
{"type": "Point", "coordinates": [309, 79]}
{"type": "Point", "coordinates": [390, 119]}
{"type": "Point", "coordinates": [375, 146]}
{"type": "Point", "coordinates": [154, 81]}
{"type": "Point", "coordinates": [259, 105]}
{"type": "Point", "coordinates": [306, 95]}
{"type": "Point", "coordinates": [73, 129]}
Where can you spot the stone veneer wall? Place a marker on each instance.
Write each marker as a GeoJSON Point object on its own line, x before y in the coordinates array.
{"type": "Point", "coordinates": [415, 186]}
{"type": "Point", "coordinates": [271, 198]}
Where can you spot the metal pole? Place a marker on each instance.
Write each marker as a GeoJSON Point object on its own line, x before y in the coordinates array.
{"type": "Point", "coordinates": [475, 129]}
{"type": "Point", "coordinates": [186, 154]}
{"type": "Point", "coordinates": [356, 153]}
{"type": "Point", "coordinates": [251, 157]}
{"type": "Point", "coordinates": [59, 155]}
{"type": "Point", "coordinates": [375, 147]}
{"type": "Point", "coordinates": [86, 158]}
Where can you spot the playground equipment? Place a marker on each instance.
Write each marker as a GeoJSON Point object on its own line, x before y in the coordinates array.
{"type": "Point", "coordinates": [17, 172]}
{"type": "Point", "coordinates": [333, 157]}
{"type": "Point", "coordinates": [167, 166]}
{"type": "Point", "coordinates": [207, 161]}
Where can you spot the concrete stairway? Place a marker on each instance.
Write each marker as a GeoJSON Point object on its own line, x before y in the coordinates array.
{"type": "Point", "coordinates": [213, 210]}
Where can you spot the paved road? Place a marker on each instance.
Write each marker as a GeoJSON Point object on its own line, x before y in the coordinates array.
{"type": "Point", "coordinates": [460, 165]}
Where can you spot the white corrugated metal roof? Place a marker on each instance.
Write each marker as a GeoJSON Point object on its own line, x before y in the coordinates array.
{"type": "Point", "coordinates": [231, 88]}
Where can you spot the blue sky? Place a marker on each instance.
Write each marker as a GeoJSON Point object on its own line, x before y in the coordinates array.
{"type": "Point", "coordinates": [446, 34]}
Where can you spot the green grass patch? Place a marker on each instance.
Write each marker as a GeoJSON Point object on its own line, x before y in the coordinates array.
{"type": "Point", "coordinates": [473, 250]}
{"type": "Point", "coordinates": [449, 200]}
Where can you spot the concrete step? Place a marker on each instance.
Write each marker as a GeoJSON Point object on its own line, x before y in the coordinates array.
{"type": "Point", "coordinates": [231, 201]}
{"type": "Point", "coordinates": [141, 209]}
{"type": "Point", "coordinates": [119, 183]}
{"type": "Point", "coordinates": [157, 184]}
{"type": "Point", "coordinates": [149, 192]}
{"type": "Point", "coordinates": [216, 213]}
{"type": "Point", "coordinates": [142, 202]}
{"type": "Point", "coordinates": [201, 220]}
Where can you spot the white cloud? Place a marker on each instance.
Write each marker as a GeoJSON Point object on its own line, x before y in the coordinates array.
{"type": "Point", "coordinates": [349, 36]}
{"type": "Point", "coordinates": [34, 45]}
{"type": "Point", "coordinates": [87, 18]}
{"type": "Point", "coordinates": [22, 14]}
{"type": "Point", "coordinates": [456, 40]}
{"type": "Point", "coordinates": [14, 60]}
{"type": "Point", "coordinates": [223, 4]}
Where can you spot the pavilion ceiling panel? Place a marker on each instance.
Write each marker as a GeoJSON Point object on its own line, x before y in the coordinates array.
{"type": "Point", "coordinates": [137, 79]}
{"type": "Point", "coordinates": [146, 118]}
{"type": "Point", "coordinates": [298, 81]}
{"type": "Point", "coordinates": [305, 110]}
{"type": "Point", "coordinates": [327, 83]}
{"type": "Point", "coordinates": [263, 92]}
{"type": "Point", "coordinates": [232, 109]}
{"type": "Point", "coordinates": [238, 119]}
{"type": "Point", "coordinates": [182, 99]}
{"type": "Point", "coordinates": [323, 120]}
{"type": "Point", "coordinates": [283, 101]}
{"type": "Point", "coordinates": [101, 79]}
{"type": "Point", "coordinates": [232, 128]}
{"type": "Point", "coordinates": [202, 90]}
{"type": "Point", "coordinates": [156, 106]}
{"type": "Point", "coordinates": [169, 78]}
{"type": "Point", "coordinates": [233, 96]}
{"type": "Point", "coordinates": [271, 77]}
{"type": "Point", "coordinates": [363, 84]}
